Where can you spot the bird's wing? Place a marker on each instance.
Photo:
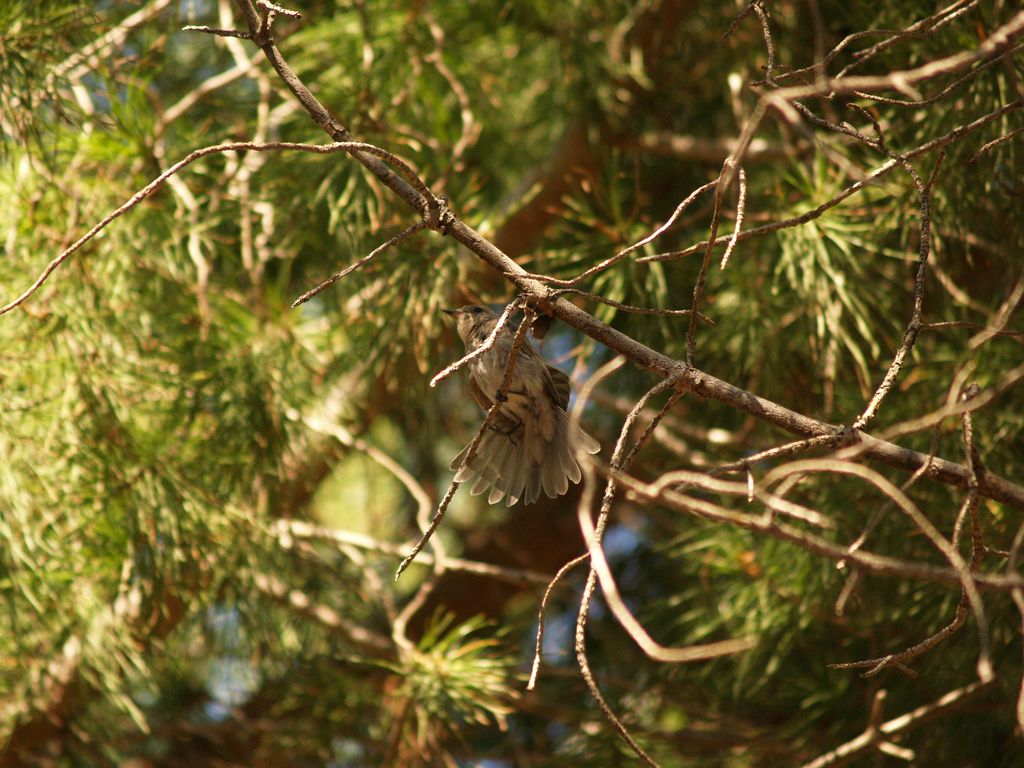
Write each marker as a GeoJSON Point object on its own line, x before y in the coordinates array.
{"type": "Point", "coordinates": [557, 386]}
{"type": "Point", "coordinates": [556, 382]}
{"type": "Point", "coordinates": [503, 422]}
{"type": "Point", "coordinates": [478, 394]}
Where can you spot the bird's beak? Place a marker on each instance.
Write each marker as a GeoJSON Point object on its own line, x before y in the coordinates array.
{"type": "Point", "coordinates": [450, 312]}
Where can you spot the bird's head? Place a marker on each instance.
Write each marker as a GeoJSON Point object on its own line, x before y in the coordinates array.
{"type": "Point", "coordinates": [473, 321]}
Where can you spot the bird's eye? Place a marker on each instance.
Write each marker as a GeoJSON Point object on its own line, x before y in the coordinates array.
{"type": "Point", "coordinates": [477, 310]}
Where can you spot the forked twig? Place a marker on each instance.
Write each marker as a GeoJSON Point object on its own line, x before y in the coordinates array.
{"type": "Point", "coordinates": [875, 736]}
{"type": "Point", "coordinates": [965, 575]}
{"type": "Point", "coordinates": [535, 668]}
{"type": "Point", "coordinates": [869, 562]}
{"type": "Point", "coordinates": [969, 510]}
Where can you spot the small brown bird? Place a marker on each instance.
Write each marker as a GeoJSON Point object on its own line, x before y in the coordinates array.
{"type": "Point", "coordinates": [531, 444]}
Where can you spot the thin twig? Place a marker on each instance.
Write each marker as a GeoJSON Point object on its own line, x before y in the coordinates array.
{"type": "Point", "coordinates": [155, 184]}
{"type": "Point", "coordinates": [879, 513]}
{"type": "Point", "coordinates": [403, 168]}
{"type": "Point", "coordinates": [919, 29]}
{"type": "Point", "coordinates": [794, 104]}
{"type": "Point", "coordinates": [625, 617]}
{"type": "Point", "coordinates": [797, 446]}
{"type": "Point", "coordinates": [741, 203]}
{"type": "Point", "coordinates": [994, 143]}
{"type": "Point", "coordinates": [1002, 316]}
{"type": "Point", "coordinates": [585, 393]}
{"type": "Point", "coordinates": [998, 41]}
{"type": "Point", "coordinates": [687, 201]}
{"type": "Point", "coordinates": [969, 510]}
{"type": "Point", "coordinates": [698, 286]}
{"type": "Point", "coordinates": [945, 91]}
{"type": "Point", "coordinates": [216, 31]}
{"type": "Point", "coordinates": [629, 307]}
{"type": "Point", "coordinates": [541, 613]}
{"type": "Point", "coordinates": [405, 234]}
{"type": "Point", "coordinates": [681, 479]}
{"type": "Point", "coordinates": [965, 324]}
{"type": "Point", "coordinates": [1005, 382]}
{"type": "Point", "coordinates": [586, 501]}
{"type": "Point", "coordinates": [914, 325]}
{"type": "Point", "coordinates": [269, 6]}
{"type": "Point", "coordinates": [301, 529]}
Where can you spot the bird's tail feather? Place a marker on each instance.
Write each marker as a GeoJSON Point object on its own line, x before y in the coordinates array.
{"type": "Point", "coordinates": [520, 465]}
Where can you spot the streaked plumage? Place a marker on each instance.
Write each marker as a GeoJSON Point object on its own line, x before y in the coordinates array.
{"type": "Point", "coordinates": [530, 447]}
